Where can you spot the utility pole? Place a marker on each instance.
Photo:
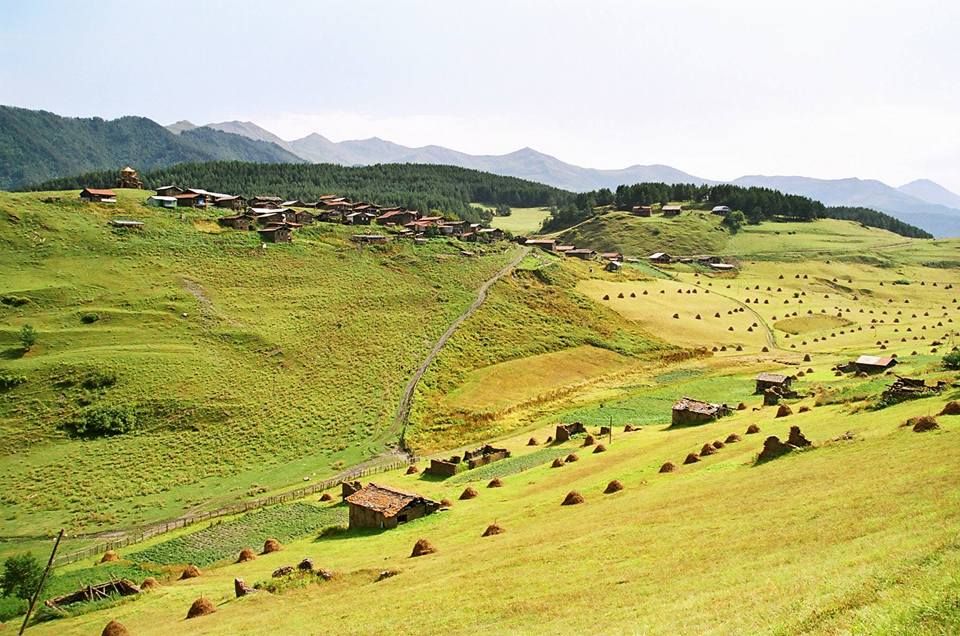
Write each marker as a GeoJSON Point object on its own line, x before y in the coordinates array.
{"type": "Point", "coordinates": [43, 579]}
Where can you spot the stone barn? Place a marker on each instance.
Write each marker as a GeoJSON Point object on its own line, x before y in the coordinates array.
{"type": "Point", "coordinates": [381, 507]}
{"type": "Point", "coordinates": [687, 412]}
{"type": "Point", "coordinates": [772, 381]}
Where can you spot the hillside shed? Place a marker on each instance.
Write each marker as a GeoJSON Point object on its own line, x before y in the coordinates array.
{"type": "Point", "coordinates": [381, 507]}
{"type": "Point", "coordinates": [660, 257]}
{"type": "Point", "coordinates": [263, 201]}
{"type": "Point", "coordinates": [613, 266]}
{"type": "Point", "coordinates": [720, 210]}
{"type": "Point", "coordinates": [671, 210]}
{"type": "Point", "coordinates": [162, 202]}
{"type": "Point", "coordinates": [688, 411]}
{"type": "Point", "coordinates": [276, 234]}
{"type": "Point", "coordinates": [243, 222]}
{"type": "Point", "coordinates": [169, 191]}
{"type": "Point", "coordinates": [548, 245]}
{"type": "Point", "coordinates": [874, 364]}
{"type": "Point", "coordinates": [582, 253]}
{"type": "Point", "coordinates": [642, 210]}
{"type": "Point", "coordinates": [772, 380]}
{"type": "Point", "coordinates": [98, 195]}
{"type": "Point", "coordinates": [231, 203]}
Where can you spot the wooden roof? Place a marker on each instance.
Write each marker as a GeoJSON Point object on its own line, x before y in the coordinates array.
{"type": "Point", "coordinates": [386, 501]}
{"type": "Point", "coordinates": [876, 361]}
{"type": "Point", "coordinates": [696, 406]}
{"type": "Point", "coordinates": [100, 192]}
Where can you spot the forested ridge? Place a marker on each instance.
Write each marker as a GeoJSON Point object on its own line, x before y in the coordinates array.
{"type": "Point", "coordinates": [756, 204]}
{"type": "Point", "coordinates": [416, 186]}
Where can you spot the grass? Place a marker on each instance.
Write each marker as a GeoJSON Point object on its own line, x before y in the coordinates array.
{"type": "Point", "coordinates": [224, 540]}
{"type": "Point", "coordinates": [522, 221]}
{"type": "Point", "coordinates": [203, 333]}
{"type": "Point", "coordinates": [510, 465]}
{"type": "Point", "coordinates": [690, 233]}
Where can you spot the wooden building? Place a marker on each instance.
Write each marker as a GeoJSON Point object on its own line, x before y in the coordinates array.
{"type": "Point", "coordinates": [671, 210]}
{"type": "Point", "coordinates": [382, 507]}
{"type": "Point", "coordinates": [642, 210]}
{"type": "Point", "coordinates": [169, 191]}
{"type": "Point", "coordinates": [231, 202]}
{"type": "Point", "coordinates": [396, 217]}
{"type": "Point", "coordinates": [582, 253]}
{"type": "Point", "coordinates": [190, 200]}
{"type": "Point", "coordinates": [276, 233]}
{"type": "Point", "coordinates": [772, 381]}
{"type": "Point", "coordinates": [548, 245]}
{"type": "Point", "coordinates": [687, 411]}
{"type": "Point", "coordinates": [263, 201]}
{"type": "Point", "coordinates": [874, 364]}
{"type": "Point", "coordinates": [660, 257]}
{"type": "Point", "coordinates": [243, 222]}
{"type": "Point", "coordinates": [158, 201]}
{"type": "Point", "coordinates": [129, 179]}
{"type": "Point", "coordinates": [98, 195]}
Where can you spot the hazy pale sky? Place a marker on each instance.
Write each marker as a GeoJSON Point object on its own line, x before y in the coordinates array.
{"type": "Point", "coordinates": [719, 89]}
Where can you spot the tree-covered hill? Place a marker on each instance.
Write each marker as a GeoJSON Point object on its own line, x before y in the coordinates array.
{"type": "Point", "coordinates": [39, 145]}
{"type": "Point", "coordinates": [417, 186]}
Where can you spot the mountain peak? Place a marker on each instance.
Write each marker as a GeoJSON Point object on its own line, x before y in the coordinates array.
{"type": "Point", "coordinates": [931, 192]}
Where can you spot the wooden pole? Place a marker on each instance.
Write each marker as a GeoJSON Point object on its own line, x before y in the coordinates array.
{"type": "Point", "coordinates": [43, 579]}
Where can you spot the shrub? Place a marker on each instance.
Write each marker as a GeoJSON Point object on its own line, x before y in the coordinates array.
{"type": "Point", "coordinates": [9, 381]}
{"type": "Point", "coordinates": [89, 318]}
{"type": "Point", "coordinates": [28, 337]}
{"type": "Point", "coordinates": [21, 575]}
{"type": "Point", "coordinates": [952, 360]}
{"type": "Point", "coordinates": [14, 301]}
{"type": "Point", "coordinates": [102, 421]}
{"type": "Point", "coordinates": [99, 380]}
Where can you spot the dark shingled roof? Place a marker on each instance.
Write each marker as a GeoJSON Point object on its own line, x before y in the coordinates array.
{"type": "Point", "coordinates": [696, 406]}
{"type": "Point", "coordinates": [776, 378]}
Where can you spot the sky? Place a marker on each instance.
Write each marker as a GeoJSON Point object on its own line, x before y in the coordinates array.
{"type": "Point", "coordinates": [718, 89]}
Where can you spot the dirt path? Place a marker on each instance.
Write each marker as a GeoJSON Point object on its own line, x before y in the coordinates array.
{"type": "Point", "coordinates": [403, 410]}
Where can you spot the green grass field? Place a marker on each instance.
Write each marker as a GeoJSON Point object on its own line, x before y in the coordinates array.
{"type": "Point", "coordinates": [248, 369]}
{"type": "Point", "coordinates": [522, 221]}
{"type": "Point", "coordinates": [253, 391]}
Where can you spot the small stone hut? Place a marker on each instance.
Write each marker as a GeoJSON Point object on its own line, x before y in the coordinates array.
{"type": "Point", "coordinates": [688, 411]}
{"type": "Point", "coordinates": [381, 507]}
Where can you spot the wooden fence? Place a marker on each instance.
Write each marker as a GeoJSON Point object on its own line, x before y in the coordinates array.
{"type": "Point", "coordinates": [138, 535]}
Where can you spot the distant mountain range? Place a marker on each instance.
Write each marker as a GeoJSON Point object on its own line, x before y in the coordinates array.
{"type": "Point", "coordinates": [922, 203]}
{"type": "Point", "coordinates": [36, 146]}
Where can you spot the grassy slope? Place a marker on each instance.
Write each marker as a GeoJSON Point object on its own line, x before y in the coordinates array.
{"type": "Point", "coordinates": [690, 233]}
{"type": "Point", "coordinates": [858, 536]}
{"type": "Point", "coordinates": [249, 365]}
{"type": "Point", "coordinates": [522, 220]}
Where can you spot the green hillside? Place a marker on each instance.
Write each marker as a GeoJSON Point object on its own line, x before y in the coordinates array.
{"type": "Point", "coordinates": [37, 145]}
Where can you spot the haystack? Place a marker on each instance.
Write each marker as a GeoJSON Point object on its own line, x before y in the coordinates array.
{"type": "Point", "coordinates": [669, 467]}
{"type": "Point", "coordinates": [468, 493]}
{"type": "Point", "coordinates": [707, 449]}
{"type": "Point", "coordinates": [240, 588]}
{"type": "Point", "coordinates": [773, 448]}
{"type": "Point", "coordinates": [201, 607]}
{"type": "Point", "coordinates": [412, 470]}
{"type": "Point", "coordinates": [784, 411]}
{"type": "Point", "coordinates": [589, 440]}
{"type": "Point", "coordinates": [190, 572]}
{"type": "Point", "coordinates": [614, 486]}
{"type": "Point", "coordinates": [446, 503]}
{"type": "Point", "coordinates": [753, 429]}
{"type": "Point", "coordinates": [326, 497]}
{"type": "Point", "coordinates": [557, 463]}
{"type": "Point", "coordinates": [628, 428]}
{"type": "Point", "coordinates": [495, 483]}
{"type": "Point", "coordinates": [732, 438]}
{"type": "Point", "coordinates": [246, 555]}
{"type": "Point", "coordinates": [951, 408]}
{"type": "Point", "coordinates": [692, 458]}
{"type": "Point", "coordinates": [573, 498]}
{"type": "Point", "coordinates": [717, 444]}
{"type": "Point", "coordinates": [796, 438]}
{"type": "Point", "coordinates": [925, 423]}
{"type": "Point", "coordinates": [149, 583]}
{"type": "Point", "coordinates": [572, 457]}
{"type": "Point", "coordinates": [741, 407]}
{"type": "Point", "coordinates": [804, 409]}
{"type": "Point", "coordinates": [600, 449]}
{"type": "Point", "coordinates": [108, 556]}
{"type": "Point", "coordinates": [421, 548]}
{"type": "Point", "coordinates": [114, 628]}
{"type": "Point", "coordinates": [532, 441]}
{"type": "Point", "coordinates": [493, 529]}
{"type": "Point", "coordinates": [271, 545]}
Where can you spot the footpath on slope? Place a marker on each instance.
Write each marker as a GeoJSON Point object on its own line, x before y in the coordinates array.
{"type": "Point", "coordinates": [115, 539]}
{"type": "Point", "coordinates": [406, 400]}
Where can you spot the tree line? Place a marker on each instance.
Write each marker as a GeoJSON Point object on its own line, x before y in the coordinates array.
{"type": "Point", "coordinates": [756, 204]}
{"type": "Point", "coordinates": [422, 187]}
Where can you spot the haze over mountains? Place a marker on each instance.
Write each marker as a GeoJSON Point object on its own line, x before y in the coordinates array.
{"type": "Point", "coordinates": [36, 146]}
{"type": "Point", "coordinates": [922, 202]}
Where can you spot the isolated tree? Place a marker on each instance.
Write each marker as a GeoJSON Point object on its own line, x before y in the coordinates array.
{"type": "Point", "coordinates": [28, 337]}
{"type": "Point", "coordinates": [734, 220]}
{"type": "Point", "coordinates": [755, 216]}
{"type": "Point", "coordinates": [952, 360]}
{"type": "Point", "coordinates": [21, 575]}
